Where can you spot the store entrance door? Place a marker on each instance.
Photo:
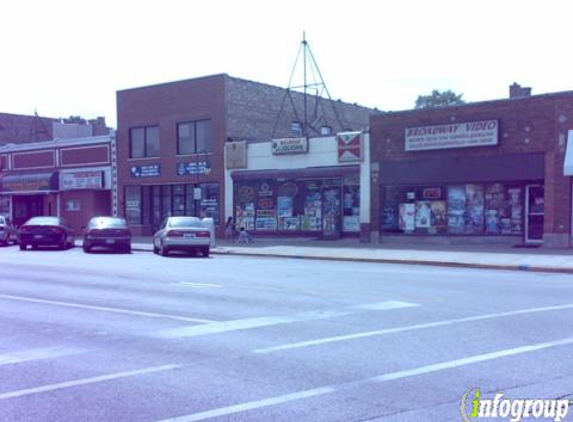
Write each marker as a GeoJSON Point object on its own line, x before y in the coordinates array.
{"type": "Point", "coordinates": [26, 207]}
{"type": "Point", "coordinates": [534, 213]}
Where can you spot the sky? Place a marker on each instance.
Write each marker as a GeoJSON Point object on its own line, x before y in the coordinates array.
{"type": "Point", "coordinates": [63, 57]}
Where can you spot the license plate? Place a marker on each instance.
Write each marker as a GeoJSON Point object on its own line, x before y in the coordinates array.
{"type": "Point", "coordinates": [110, 241]}
{"type": "Point", "coordinates": [189, 235]}
{"type": "Point", "coordinates": [38, 236]}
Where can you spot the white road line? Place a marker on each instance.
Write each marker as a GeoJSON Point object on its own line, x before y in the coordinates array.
{"type": "Point", "coordinates": [38, 354]}
{"type": "Point", "coordinates": [198, 285]}
{"type": "Point", "coordinates": [408, 328]}
{"type": "Point", "coordinates": [248, 323]}
{"type": "Point", "coordinates": [272, 401]}
{"type": "Point", "coordinates": [85, 381]}
{"type": "Point", "coordinates": [104, 309]}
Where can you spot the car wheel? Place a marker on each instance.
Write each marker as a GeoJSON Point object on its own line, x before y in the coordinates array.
{"type": "Point", "coordinates": [163, 250]}
{"type": "Point", "coordinates": [23, 246]}
{"type": "Point", "coordinates": [205, 251]}
{"type": "Point", "coordinates": [63, 244]}
{"type": "Point", "coordinates": [87, 248]}
{"type": "Point", "coordinates": [34, 247]}
{"type": "Point", "coordinates": [4, 242]}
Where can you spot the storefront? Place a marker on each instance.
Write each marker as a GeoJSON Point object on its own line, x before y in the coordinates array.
{"type": "Point", "coordinates": [70, 178]}
{"type": "Point", "coordinates": [149, 205]}
{"type": "Point", "coordinates": [483, 173]}
{"type": "Point", "coordinates": [310, 188]}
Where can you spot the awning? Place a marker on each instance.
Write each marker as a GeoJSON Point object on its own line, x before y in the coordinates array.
{"type": "Point", "coordinates": [29, 183]}
{"type": "Point", "coordinates": [568, 164]}
{"type": "Point", "coordinates": [304, 173]}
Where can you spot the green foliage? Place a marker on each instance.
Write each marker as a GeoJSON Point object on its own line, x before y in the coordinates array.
{"type": "Point", "coordinates": [439, 99]}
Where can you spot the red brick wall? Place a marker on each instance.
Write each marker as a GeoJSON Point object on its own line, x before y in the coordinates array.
{"type": "Point", "coordinates": [30, 160]}
{"type": "Point", "coordinates": [535, 124]}
{"type": "Point", "coordinates": [96, 155]}
{"type": "Point", "coordinates": [167, 105]}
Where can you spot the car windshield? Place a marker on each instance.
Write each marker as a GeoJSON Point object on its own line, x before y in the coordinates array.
{"type": "Point", "coordinates": [184, 222]}
{"type": "Point", "coordinates": [115, 222]}
{"type": "Point", "coordinates": [43, 221]}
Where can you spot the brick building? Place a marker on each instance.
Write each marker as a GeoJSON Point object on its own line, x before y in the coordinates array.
{"type": "Point", "coordinates": [490, 171]}
{"type": "Point", "coordinates": [171, 140]}
{"type": "Point", "coordinates": [55, 167]}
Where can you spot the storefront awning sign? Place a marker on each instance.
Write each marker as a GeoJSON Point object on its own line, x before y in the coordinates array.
{"type": "Point", "coordinates": [81, 180]}
{"type": "Point", "coordinates": [349, 146]}
{"type": "Point", "coordinates": [568, 164]}
{"type": "Point", "coordinates": [38, 182]}
{"type": "Point", "coordinates": [454, 135]}
{"type": "Point", "coordinates": [285, 146]}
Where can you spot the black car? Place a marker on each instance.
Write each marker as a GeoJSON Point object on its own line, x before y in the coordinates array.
{"type": "Point", "coordinates": [46, 231]}
{"type": "Point", "coordinates": [108, 232]}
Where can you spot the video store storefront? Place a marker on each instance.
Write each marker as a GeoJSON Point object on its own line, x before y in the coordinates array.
{"type": "Point", "coordinates": [441, 190]}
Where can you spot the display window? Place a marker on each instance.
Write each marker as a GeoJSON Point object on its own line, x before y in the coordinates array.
{"type": "Point", "coordinates": [287, 198]}
{"type": "Point", "coordinates": [266, 206]}
{"type": "Point", "coordinates": [245, 206]}
{"type": "Point", "coordinates": [351, 204]}
{"type": "Point", "coordinates": [458, 209]}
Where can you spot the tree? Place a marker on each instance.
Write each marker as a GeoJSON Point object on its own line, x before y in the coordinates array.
{"type": "Point", "coordinates": [439, 99]}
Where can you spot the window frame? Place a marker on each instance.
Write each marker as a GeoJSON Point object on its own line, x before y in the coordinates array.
{"type": "Point", "coordinates": [194, 137]}
{"type": "Point", "coordinates": [146, 141]}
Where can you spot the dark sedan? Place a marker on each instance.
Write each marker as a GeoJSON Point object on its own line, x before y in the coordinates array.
{"type": "Point", "coordinates": [107, 232]}
{"type": "Point", "coordinates": [46, 231]}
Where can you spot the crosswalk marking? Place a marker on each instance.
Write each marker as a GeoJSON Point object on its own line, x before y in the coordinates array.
{"type": "Point", "coordinates": [85, 381]}
{"type": "Point", "coordinates": [38, 354]}
{"type": "Point", "coordinates": [104, 309]}
{"type": "Point", "coordinates": [395, 330]}
{"type": "Point", "coordinates": [321, 391]}
{"type": "Point", "coordinates": [249, 323]}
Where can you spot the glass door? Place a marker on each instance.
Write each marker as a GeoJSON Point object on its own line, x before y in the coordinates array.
{"type": "Point", "coordinates": [534, 213]}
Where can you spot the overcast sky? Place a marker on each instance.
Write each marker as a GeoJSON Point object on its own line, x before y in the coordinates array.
{"type": "Point", "coordinates": [66, 58]}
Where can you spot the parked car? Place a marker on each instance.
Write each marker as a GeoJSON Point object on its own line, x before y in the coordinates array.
{"type": "Point", "coordinates": [182, 234]}
{"type": "Point", "coordinates": [46, 231]}
{"type": "Point", "coordinates": [8, 233]}
{"type": "Point", "coordinates": [107, 232]}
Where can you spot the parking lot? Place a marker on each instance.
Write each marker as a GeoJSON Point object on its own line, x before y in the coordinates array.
{"type": "Point", "coordinates": [140, 337]}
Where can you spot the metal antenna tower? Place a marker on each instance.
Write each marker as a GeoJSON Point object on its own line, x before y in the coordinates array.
{"type": "Point", "coordinates": [312, 87]}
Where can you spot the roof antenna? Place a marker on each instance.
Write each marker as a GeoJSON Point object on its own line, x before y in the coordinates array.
{"type": "Point", "coordinates": [312, 83]}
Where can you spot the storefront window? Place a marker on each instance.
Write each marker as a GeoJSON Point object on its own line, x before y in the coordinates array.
{"type": "Point", "coordinates": [351, 204]}
{"type": "Point", "coordinates": [245, 206]}
{"type": "Point", "coordinates": [266, 207]}
{"type": "Point", "coordinates": [133, 204]}
{"type": "Point", "coordinates": [210, 201]}
{"type": "Point", "coordinates": [288, 193]}
{"type": "Point", "coordinates": [464, 209]}
{"type": "Point", "coordinates": [311, 219]}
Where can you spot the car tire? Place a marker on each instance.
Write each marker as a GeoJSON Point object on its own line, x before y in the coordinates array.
{"type": "Point", "coordinates": [163, 250]}
{"type": "Point", "coordinates": [127, 249]}
{"type": "Point", "coordinates": [23, 246]}
{"type": "Point", "coordinates": [63, 245]}
{"type": "Point", "coordinates": [205, 250]}
{"type": "Point", "coordinates": [4, 242]}
{"type": "Point", "coordinates": [87, 248]}
{"type": "Point", "coordinates": [34, 247]}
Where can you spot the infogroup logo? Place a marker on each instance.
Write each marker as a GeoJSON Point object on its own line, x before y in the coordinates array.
{"type": "Point", "coordinates": [474, 406]}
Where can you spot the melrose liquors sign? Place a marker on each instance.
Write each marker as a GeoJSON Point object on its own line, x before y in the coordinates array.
{"type": "Point", "coordinates": [454, 135]}
{"type": "Point", "coordinates": [289, 146]}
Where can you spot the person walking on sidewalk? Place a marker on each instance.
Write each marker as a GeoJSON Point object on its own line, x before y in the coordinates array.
{"type": "Point", "coordinates": [230, 229]}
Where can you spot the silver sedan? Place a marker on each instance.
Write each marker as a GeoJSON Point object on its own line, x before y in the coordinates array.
{"type": "Point", "coordinates": [182, 234]}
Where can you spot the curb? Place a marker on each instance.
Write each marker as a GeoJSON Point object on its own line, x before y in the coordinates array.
{"type": "Point", "coordinates": [451, 264]}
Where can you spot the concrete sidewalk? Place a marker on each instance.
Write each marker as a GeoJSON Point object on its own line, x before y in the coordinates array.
{"type": "Point", "coordinates": [470, 256]}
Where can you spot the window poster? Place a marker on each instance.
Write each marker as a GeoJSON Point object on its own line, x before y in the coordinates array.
{"type": "Point", "coordinates": [516, 204]}
{"type": "Point", "coordinates": [266, 209]}
{"type": "Point", "coordinates": [245, 208]}
{"type": "Point", "coordinates": [351, 208]}
{"type": "Point", "coordinates": [423, 217]}
{"type": "Point", "coordinates": [407, 220]}
{"type": "Point", "coordinates": [456, 209]}
{"type": "Point", "coordinates": [311, 219]}
{"type": "Point", "coordinates": [287, 220]}
{"type": "Point", "coordinates": [474, 223]}
{"type": "Point", "coordinates": [439, 217]}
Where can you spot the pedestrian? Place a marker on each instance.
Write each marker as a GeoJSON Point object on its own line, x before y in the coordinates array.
{"type": "Point", "coordinates": [230, 229]}
{"type": "Point", "coordinates": [244, 236]}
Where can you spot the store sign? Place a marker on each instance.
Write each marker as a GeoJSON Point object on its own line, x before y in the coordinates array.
{"type": "Point", "coordinates": [349, 146]}
{"type": "Point", "coordinates": [455, 135]}
{"type": "Point", "coordinates": [151, 170]}
{"type": "Point", "coordinates": [201, 167]}
{"type": "Point", "coordinates": [81, 180]}
{"type": "Point", "coordinates": [290, 146]}
{"type": "Point", "coordinates": [37, 182]}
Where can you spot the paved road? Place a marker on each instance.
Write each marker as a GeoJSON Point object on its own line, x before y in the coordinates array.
{"type": "Point", "coordinates": [142, 338]}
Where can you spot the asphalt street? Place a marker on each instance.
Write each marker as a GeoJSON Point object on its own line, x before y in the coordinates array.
{"type": "Point", "coordinates": [144, 338]}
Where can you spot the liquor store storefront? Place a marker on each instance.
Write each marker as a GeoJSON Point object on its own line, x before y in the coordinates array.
{"type": "Point", "coordinates": [310, 201]}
